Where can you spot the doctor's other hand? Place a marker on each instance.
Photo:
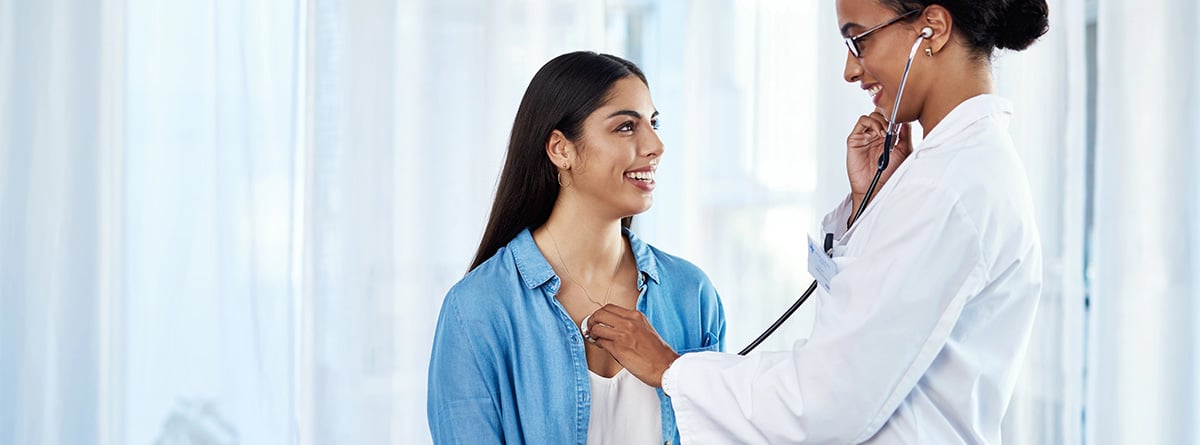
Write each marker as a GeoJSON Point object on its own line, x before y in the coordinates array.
{"type": "Point", "coordinates": [863, 147]}
{"type": "Point", "coordinates": [628, 336]}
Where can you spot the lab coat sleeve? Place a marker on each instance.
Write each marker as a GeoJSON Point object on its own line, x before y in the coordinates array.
{"type": "Point", "coordinates": [888, 312]}
{"type": "Point", "coordinates": [460, 407]}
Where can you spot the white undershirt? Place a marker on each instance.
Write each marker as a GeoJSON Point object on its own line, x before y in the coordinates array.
{"type": "Point", "coordinates": [624, 411]}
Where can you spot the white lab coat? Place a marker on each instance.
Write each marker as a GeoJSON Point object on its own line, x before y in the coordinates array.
{"type": "Point", "coordinates": [921, 335]}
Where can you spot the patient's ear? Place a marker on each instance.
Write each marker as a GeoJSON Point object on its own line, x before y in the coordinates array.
{"type": "Point", "coordinates": [560, 150]}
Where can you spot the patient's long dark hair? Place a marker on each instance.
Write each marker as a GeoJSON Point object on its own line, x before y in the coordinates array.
{"type": "Point", "coordinates": [561, 95]}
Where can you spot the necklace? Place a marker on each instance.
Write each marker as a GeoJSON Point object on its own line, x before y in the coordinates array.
{"type": "Point", "coordinates": [566, 269]}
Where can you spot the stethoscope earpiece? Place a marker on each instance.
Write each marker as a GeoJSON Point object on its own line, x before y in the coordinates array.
{"type": "Point", "coordinates": [926, 32]}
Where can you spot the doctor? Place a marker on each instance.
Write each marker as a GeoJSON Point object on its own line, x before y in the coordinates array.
{"type": "Point", "coordinates": [920, 334]}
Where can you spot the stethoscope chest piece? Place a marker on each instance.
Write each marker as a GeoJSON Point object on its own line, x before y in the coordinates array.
{"type": "Point", "coordinates": [583, 329]}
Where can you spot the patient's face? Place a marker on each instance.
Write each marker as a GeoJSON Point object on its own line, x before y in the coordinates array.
{"type": "Point", "coordinates": [619, 150]}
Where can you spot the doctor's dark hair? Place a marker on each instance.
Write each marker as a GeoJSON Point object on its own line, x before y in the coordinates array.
{"type": "Point", "coordinates": [560, 97]}
{"type": "Point", "coordinates": [989, 24]}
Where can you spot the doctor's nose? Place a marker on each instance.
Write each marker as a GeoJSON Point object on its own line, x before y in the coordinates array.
{"type": "Point", "coordinates": [853, 70]}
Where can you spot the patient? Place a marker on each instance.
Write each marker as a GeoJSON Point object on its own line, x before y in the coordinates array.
{"type": "Point", "coordinates": [509, 362]}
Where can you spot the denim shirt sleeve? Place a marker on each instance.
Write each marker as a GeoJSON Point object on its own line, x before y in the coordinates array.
{"type": "Point", "coordinates": [460, 406]}
{"type": "Point", "coordinates": [712, 319]}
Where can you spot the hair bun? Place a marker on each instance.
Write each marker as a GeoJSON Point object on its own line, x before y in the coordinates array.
{"type": "Point", "coordinates": [1021, 23]}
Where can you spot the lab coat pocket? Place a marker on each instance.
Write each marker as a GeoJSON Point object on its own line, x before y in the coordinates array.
{"type": "Point", "coordinates": [840, 264]}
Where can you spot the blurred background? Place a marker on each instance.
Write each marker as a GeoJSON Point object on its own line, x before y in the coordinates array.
{"type": "Point", "coordinates": [234, 221]}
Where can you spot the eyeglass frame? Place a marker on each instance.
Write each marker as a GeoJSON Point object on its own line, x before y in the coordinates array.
{"type": "Point", "coordinates": [852, 41]}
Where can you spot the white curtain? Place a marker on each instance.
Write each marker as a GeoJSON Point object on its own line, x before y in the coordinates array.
{"type": "Point", "coordinates": [146, 283]}
{"type": "Point", "coordinates": [1143, 375]}
{"type": "Point", "coordinates": [51, 212]}
{"type": "Point", "coordinates": [234, 222]}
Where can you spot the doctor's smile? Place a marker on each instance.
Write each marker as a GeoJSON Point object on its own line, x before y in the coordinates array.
{"type": "Point", "coordinates": [873, 91]}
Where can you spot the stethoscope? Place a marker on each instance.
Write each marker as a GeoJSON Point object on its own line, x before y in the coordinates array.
{"type": "Point", "coordinates": [893, 129]}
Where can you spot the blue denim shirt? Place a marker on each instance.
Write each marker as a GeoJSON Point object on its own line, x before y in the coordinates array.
{"type": "Point", "coordinates": [508, 364]}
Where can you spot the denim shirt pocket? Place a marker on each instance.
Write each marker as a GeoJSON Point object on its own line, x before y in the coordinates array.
{"type": "Point", "coordinates": [710, 343]}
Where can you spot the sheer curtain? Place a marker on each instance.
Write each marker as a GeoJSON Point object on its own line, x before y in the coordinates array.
{"type": "Point", "coordinates": [190, 327]}
{"type": "Point", "coordinates": [1145, 318]}
{"type": "Point", "coordinates": [145, 203]}
{"type": "Point", "coordinates": [204, 338]}
{"type": "Point", "coordinates": [51, 285]}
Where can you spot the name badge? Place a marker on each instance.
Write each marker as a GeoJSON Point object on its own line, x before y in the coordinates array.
{"type": "Point", "coordinates": [820, 265]}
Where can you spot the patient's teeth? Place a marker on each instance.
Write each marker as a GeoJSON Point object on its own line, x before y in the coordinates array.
{"type": "Point", "coordinates": [641, 176]}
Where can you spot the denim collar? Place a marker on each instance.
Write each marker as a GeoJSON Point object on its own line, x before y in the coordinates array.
{"type": "Point", "coordinates": [536, 271]}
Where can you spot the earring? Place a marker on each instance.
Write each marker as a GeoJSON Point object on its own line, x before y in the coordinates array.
{"type": "Point", "coordinates": [560, 183]}
{"type": "Point", "coordinates": [928, 52]}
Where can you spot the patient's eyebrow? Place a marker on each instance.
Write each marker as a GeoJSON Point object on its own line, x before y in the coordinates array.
{"type": "Point", "coordinates": [630, 113]}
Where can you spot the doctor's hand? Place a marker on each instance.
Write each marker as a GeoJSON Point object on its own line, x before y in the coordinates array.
{"type": "Point", "coordinates": [628, 336]}
{"type": "Point", "coordinates": [863, 147]}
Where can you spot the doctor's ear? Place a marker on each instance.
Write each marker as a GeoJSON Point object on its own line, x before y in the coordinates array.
{"type": "Point", "coordinates": [560, 150]}
{"type": "Point", "coordinates": [939, 20]}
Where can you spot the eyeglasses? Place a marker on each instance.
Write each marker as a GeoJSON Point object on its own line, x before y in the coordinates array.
{"type": "Point", "coordinates": [852, 41]}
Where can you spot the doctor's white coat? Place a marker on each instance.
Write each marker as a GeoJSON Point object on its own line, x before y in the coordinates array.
{"type": "Point", "coordinates": [921, 335]}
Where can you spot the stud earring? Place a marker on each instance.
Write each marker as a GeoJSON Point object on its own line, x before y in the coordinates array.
{"type": "Point", "coordinates": [928, 52]}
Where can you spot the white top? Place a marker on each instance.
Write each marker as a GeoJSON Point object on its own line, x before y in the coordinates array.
{"type": "Point", "coordinates": [920, 337]}
{"type": "Point", "coordinates": [624, 411]}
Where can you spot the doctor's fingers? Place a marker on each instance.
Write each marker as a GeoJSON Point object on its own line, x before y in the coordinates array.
{"type": "Point", "coordinates": [637, 347]}
{"type": "Point", "coordinates": [628, 328]}
{"type": "Point", "coordinates": [614, 316]}
{"type": "Point", "coordinates": [622, 342]}
{"type": "Point", "coordinates": [870, 125]}
{"type": "Point", "coordinates": [606, 336]}
{"type": "Point", "coordinates": [861, 141]}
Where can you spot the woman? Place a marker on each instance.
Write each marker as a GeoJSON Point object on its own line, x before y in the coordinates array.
{"type": "Point", "coordinates": [509, 361]}
{"type": "Point", "coordinates": [920, 335]}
